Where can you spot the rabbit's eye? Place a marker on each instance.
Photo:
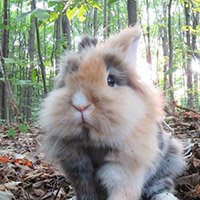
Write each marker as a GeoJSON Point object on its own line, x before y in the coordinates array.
{"type": "Point", "coordinates": [111, 80]}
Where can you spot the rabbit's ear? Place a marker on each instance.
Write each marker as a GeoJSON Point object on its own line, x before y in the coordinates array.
{"type": "Point", "coordinates": [127, 40]}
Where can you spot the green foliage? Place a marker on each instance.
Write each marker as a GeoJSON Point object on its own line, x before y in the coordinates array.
{"type": "Point", "coordinates": [41, 14]}
{"type": "Point", "coordinates": [11, 132]}
{"type": "Point", "coordinates": [25, 76]}
{"type": "Point", "coordinates": [23, 128]}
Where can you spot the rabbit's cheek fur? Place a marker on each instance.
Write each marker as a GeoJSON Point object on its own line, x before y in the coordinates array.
{"type": "Point", "coordinates": [117, 120]}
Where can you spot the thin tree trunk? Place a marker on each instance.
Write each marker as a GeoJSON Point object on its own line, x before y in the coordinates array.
{"type": "Point", "coordinates": [196, 56]}
{"type": "Point", "coordinates": [188, 61]}
{"type": "Point", "coordinates": [171, 85]}
{"type": "Point", "coordinates": [105, 19]}
{"type": "Point", "coordinates": [109, 20]}
{"type": "Point", "coordinates": [58, 37]}
{"type": "Point", "coordinates": [118, 16]}
{"type": "Point", "coordinates": [95, 25]}
{"type": "Point", "coordinates": [31, 51]}
{"type": "Point", "coordinates": [66, 29]}
{"type": "Point", "coordinates": [4, 54]}
{"type": "Point", "coordinates": [132, 12]}
{"type": "Point", "coordinates": [42, 67]}
{"type": "Point", "coordinates": [166, 56]}
{"type": "Point", "coordinates": [148, 35]}
{"type": "Point", "coordinates": [165, 48]}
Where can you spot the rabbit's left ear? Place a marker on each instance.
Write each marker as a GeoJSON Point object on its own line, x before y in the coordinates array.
{"type": "Point", "coordinates": [127, 40]}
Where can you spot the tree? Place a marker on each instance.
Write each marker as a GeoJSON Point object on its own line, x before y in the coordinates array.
{"type": "Point", "coordinates": [31, 51]}
{"type": "Point", "coordinates": [170, 51]}
{"type": "Point", "coordinates": [132, 12]}
{"type": "Point", "coordinates": [188, 58]}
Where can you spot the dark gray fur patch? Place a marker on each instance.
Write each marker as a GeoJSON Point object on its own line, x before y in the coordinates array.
{"type": "Point", "coordinates": [71, 65]}
{"type": "Point", "coordinates": [87, 42]}
{"type": "Point", "coordinates": [163, 177]}
{"type": "Point", "coordinates": [111, 60]}
{"type": "Point", "coordinates": [80, 160]}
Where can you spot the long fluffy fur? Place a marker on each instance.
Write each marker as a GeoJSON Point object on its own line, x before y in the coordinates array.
{"type": "Point", "coordinates": [119, 152]}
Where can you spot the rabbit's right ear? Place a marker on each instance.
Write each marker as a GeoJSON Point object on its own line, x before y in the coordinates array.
{"type": "Point", "coordinates": [127, 40]}
{"type": "Point", "coordinates": [87, 42]}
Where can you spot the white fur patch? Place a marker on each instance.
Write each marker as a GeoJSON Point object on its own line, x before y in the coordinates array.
{"type": "Point", "coordinates": [164, 196]}
{"type": "Point", "coordinates": [79, 100]}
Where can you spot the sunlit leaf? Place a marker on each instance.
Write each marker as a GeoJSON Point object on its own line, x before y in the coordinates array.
{"type": "Point", "coordinates": [81, 12]}
{"type": "Point", "coordinates": [94, 4]}
{"type": "Point", "coordinates": [53, 16]}
{"type": "Point", "coordinates": [71, 13]}
{"type": "Point", "coordinates": [171, 70]}
{"type": "Point", "coordinates": [34, 74]}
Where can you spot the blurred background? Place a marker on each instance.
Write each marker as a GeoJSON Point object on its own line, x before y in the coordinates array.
{"type": "Point", "coordinates": [35, 33]}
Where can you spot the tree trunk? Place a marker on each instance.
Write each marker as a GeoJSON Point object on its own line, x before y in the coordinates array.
{"type": "Point", "coordinates": [95, 25]}
{"type": "Point", "coordinates": [109, 20]}
{"type": "Point", "coordinates": [42, 67]}
{"type": "Point", "coordinates": [31, 51]}
{"type": "Point", "coordinates": [132, 12]}
{"type": "Point", "coordinates": [166, 57]}
{"type": "Point", "coordinates": [188, 59]}
{"type": "Point", "coordinates": [171, 85]}
{"type": "Point", "coordinates": [58, 37]}
{"type": "Point", "coordinates": [4, 54]}
{"type": "Point", "coordinates": [196, 57]}
{"type": "Point", "coordinates": [105, 19]}
{"type": "Point", "coordinates": [66, 29]}
{"type": "Point", "coordinates": [118, 16]}
{"type": "Point", "coordinates": [148, 48]}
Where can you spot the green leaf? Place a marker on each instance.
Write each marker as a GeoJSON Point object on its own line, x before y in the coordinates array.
{"type": "Point", "coordinates": [11, 132]}
{"type": "Point", "coordinates": [71, 13]}
{"type": "Point", "coordinates": [95, 5]}
{"type": "Point", "coordinates": [81, 12]}
{"type": "Point", "coordinates": [34, 74]}
{"type": "Point", "coordinates": [23, 128]}
{"type": "Point", "coordinates": [53, 16]}
{"type": "Point", "coordinates": [41, 14]}
{"type": "Point", "coordinates": [23, 16]}
{"type": "Point", "coordinates": [23, 82]}
{"type": "Point", "coordinates": [59, 6]}
{"type": "Point", "coordinates": [171, 70]}
{"type": "Point", "coordinates": [52, 3]}
{"type": "Point", "coordinates": [111, 1]}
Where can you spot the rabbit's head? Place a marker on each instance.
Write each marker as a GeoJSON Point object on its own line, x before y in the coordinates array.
{"type": "Point", "coordinates": [99, 89]}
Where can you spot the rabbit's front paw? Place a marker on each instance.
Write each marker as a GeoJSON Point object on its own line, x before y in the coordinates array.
{"type": "Point", "coordinates": [164, 196]}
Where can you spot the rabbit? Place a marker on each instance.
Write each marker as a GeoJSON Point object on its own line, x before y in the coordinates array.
{"type": "Point", "coordinates": [102, 124]}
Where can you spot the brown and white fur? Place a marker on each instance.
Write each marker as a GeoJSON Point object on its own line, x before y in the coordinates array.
{"type": "Point", "coordinates": [101, 125]}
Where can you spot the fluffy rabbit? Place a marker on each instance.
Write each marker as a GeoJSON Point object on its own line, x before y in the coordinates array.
{"type": "Point", "coordinates": [101, 125]}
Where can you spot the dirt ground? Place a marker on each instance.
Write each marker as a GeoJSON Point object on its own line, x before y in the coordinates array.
{"type": "Point", "coordinates": [24, 175]}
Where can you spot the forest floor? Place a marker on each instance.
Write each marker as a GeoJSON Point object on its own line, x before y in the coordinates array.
{"type": "Point", "coordinates": [24, 175]}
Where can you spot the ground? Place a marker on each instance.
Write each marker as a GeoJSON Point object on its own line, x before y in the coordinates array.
{"type": "Point", "coordinates": [24, 175]}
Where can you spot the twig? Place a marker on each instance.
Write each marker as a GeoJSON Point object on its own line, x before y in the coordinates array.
{"type": "Point", "coordinates": [184, 108]}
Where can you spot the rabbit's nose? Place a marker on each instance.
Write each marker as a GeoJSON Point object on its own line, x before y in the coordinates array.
{"type": "Point", "coordinates": [80, 102]}
{"type": "Point", "coordinates": [81, 108]}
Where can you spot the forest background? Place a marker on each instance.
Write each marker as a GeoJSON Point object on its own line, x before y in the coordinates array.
{"type": "Point", "coordinates": [35, 33]}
